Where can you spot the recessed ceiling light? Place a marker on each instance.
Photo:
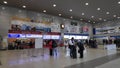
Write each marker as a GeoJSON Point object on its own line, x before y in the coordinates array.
{"type": "Point", "coordinates": [105, 20]}
{"type": "Point", "coordinates": [71, 17]}
{"type": "Point", "coordinates": [24, 6]}
{"type": "Point", "coordinates": [60, 14]}
{"type": "Point", "coordinates": [119, 2]}
{"type": "Point", "coordinates": [54, 5]}
{"type": "Point", "coordinates": [114, 15]}
{"type": "Point", "coordinates": [19, 11]}
{"type": "Point", "coordinates": [3, 8]}
{"type": "Point", "coordinates": [70, 10]}
{"type": "Point", "coordinates": [100, 18]}
{"type": "Point", "coordinates": [44, 11]}
{"type": "Point", "coordinates": [107, 12]}
{"type": "Point", "coordinates": [118, 17]}
{"type": "Point", "coordinates": [81, 19]}
{"type": "Point", "coordinates": [86, 3]}
{"type": "Point", "coordinates": [98, 8]}
{"type": "Point", "coordinates": [83, 13]}
{"type": "Point", "coordinates": [92, 16]}
{"type": "Point", "coordinates": [64, 19]}
{"type": "Point", "coordinates": [5, 2]}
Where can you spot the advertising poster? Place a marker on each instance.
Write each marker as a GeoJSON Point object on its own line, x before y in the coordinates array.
{"type": "Point", "coordinates": [85, 29]}
{"type": "Point", "coordinates": [38, 43]}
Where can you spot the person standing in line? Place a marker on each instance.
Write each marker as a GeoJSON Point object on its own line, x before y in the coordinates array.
{"type": "Point", "coordinates": [54, 46]}
{"type": "Point", "coordinates": [50, 47]}
{"type": "Point", "coordinates": [72, 46]}
{"type": "Point", "coordinates": [81, 48]}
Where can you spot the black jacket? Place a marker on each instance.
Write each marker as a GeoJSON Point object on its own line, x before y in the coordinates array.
{"type": "Point", "coordinates": [80, 46]}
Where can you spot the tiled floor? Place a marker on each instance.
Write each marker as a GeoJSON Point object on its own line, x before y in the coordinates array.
{"type": "Point", "coordinates": [40, 58]}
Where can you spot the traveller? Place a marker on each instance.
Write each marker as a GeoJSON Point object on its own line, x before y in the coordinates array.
{"type": "Point", "coordinates": [81, 48]}
{"type": "Point", "coordinates": [50, 47]}
{"type": "Point", "coordinates": [72, 47]}
{"type": "Point", "coordinates": [54, 46]}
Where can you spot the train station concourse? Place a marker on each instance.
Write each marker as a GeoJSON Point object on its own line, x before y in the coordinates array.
{"type": "Point", "coordinates": [59, 33]}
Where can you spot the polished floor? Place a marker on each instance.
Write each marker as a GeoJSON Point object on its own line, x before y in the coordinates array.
{"type": "Point", "coordinates": [39, 58]}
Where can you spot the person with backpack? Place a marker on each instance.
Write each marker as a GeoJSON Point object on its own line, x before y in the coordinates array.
{"type": "Point", "coordinates": [81, 48]}
{"type": "Point", "coordinates": [54, 46]}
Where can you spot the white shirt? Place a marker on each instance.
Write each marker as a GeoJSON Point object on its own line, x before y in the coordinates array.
{"type": "Point", "coordinates": [65, 43]}
{"type": "Point", "coordinates": [71, 42]}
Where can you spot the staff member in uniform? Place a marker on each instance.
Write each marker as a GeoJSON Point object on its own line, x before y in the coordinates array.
{"type": "Point", "coordinates": [72, 47]}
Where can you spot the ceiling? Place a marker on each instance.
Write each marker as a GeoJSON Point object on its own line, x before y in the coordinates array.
{"type": "Point", "coordinates": [90, 12]}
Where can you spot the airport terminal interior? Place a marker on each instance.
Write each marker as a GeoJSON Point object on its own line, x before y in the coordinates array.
{"type": "Point", "coordinates": [59, 33]}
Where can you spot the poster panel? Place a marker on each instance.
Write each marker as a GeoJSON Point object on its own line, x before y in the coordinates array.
{"type": "Point", "coordinates": [38, 43]}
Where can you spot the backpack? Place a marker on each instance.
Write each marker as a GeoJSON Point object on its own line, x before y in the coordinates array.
{"type": "Point", "coordinates": [54, 44]}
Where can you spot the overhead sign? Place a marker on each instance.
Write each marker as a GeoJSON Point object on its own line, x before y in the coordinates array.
{"type": "Point", "coordinates": [33, 36]}
{"type": "Point", "coordinates": [16, 36]}
{"type": "Point", "coordinates": [13, 35]}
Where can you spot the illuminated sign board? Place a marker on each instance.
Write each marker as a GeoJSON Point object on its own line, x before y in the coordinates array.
{"type": "Point", "coordinates": [55, 37]}
{"type": "Point", "coordinates": [33, 36]}
{"type": "Point", "coordinates": [46, 36]}
{"type": "Point", "coordinates": [16, 35]}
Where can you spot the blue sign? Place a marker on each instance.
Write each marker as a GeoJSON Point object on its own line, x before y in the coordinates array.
{"type": "Point", "coordinates": [13, 35]}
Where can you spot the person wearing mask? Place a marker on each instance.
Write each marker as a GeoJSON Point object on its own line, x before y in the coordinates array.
{"type": "Point", "coordinates": [81, 48]}
{"type": "Point", "coordinates": [72, 46]}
